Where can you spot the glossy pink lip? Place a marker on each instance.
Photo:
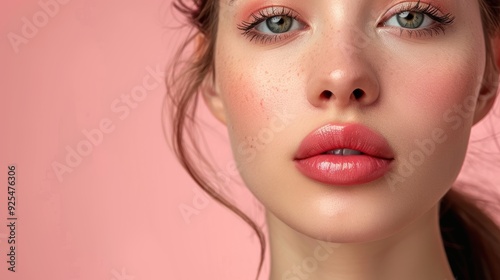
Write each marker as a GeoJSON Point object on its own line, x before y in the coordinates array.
{"type": "Point", "coordinates": [311, 158]}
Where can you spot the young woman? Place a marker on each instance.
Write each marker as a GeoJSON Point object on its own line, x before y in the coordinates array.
{"type": "Point", "coordinates": [349, 121]}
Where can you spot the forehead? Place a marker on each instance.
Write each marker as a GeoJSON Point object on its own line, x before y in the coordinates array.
{"type": "Point", "coordinates": [460, 8]}
{"type": "Point", "coordinates": [233, 2]}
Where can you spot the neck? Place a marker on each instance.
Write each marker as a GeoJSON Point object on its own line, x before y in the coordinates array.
{"type": "Point", "coordinates": [414, 253]}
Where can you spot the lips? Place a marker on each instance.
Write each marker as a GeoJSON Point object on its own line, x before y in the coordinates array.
{"type": "Point", "coordinates": [344, 155]}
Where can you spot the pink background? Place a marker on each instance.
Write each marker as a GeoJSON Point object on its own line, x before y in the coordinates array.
{"type": "Point", "coordinates": [114, 214]}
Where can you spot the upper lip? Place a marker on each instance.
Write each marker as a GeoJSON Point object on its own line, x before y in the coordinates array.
{"type": "Point", "coordinates": [349, 136]}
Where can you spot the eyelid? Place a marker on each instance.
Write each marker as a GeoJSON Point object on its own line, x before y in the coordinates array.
{"type": "Point", "coordinates": [272, 10]}
{"type": "Point", "coordinates": [440, 19]}
{"type": "Point", "coordinates": [249, 29]}
{"type": "Point", "coordinates": [411, 6]}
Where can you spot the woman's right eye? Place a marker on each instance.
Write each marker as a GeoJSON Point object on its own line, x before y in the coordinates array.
{"type": "Point", "coordinates": [271, 25]}
{"type": "Point", "coordinates": [278, 24]}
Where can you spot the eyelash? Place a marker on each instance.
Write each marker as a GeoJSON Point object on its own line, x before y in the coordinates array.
{"type": "Point", "coordinates": [261, 16]}
{"type": "Point", "coordinates": [441, 21]}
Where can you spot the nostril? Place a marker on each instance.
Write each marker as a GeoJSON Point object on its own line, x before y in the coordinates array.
{"type": "Point", "coordinates": [358, 93]}
{"type": "Point", "coordinates": [326, 94]}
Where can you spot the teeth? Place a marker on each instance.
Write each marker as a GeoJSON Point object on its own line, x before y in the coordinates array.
{"type": "Point", "coordinates": [351, 152]}
{"type": "Point", "coordinates": [343, 152]}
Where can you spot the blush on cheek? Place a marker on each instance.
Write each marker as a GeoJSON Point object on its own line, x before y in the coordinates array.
{"type": "Point", "coordinates": [252, 95]}
{"type": "Point", "coordinates": [242, 101]}
{"type": "Point", "coordinates": [445, 94]}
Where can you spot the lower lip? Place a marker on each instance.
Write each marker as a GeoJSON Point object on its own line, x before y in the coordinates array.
{"type": "Point", "coordinates": [343, 170]}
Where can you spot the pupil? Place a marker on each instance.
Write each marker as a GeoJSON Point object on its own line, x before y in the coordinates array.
{"type": "Point", "coordinates": [410, 19]}
{"type": "Point", "coordinates": [279, 24]}
{"type": "Point", "coordinates": [277, 20]}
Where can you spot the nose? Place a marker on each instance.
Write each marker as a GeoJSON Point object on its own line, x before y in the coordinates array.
{"type": "Point", "coordinates": [342, 78]}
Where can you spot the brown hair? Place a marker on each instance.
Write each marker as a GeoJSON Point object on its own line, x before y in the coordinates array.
{"type": "Point", "coordinates": [471, 238]}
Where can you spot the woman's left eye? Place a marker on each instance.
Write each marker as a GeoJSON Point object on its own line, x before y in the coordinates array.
{"type": "Point", "coordinates": [410, 20]}
{"type": "Point", "coordinates": [419, 19]}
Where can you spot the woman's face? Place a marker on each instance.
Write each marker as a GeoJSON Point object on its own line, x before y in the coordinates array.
{"type": "Point", "coordinates": [409, 72]}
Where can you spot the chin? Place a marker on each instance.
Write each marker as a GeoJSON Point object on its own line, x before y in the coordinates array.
{"type": "Point", "coordinates": [355, 227]}
{"type": "Point", "coordinates": [349, 214]}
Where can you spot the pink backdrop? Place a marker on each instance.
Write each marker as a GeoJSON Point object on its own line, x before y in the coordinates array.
{"type": "Point", "coordinates": [98, 191]}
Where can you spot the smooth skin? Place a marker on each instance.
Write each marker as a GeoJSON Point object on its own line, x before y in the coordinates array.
{"type": "Point", "coordinates": [418, 91]}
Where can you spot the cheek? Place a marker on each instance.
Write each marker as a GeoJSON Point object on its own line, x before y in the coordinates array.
{"type": "Point", "coordinates": [243, 93]}
{"type": "Point", "coordinates": [259, 99]}
{"type": "Point", "coordinates": [245, 100]}
{"type": "Point", "coordinates": [443, 97]}
{"type": "Point", "coordinates": [439, 102]}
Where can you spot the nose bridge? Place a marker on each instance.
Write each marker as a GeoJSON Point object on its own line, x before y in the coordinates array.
{"type": "Point", "coordinates": [344, 29]}
{"type": "Point", "coordinates": [343, 72]}
{"type": "Point", "coordinates": [346, 48]}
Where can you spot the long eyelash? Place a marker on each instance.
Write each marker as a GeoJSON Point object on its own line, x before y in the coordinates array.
{"type": "Point", "coordinates": [431, 11]}
{"type": "Point", "coordinates": [247, 26]}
